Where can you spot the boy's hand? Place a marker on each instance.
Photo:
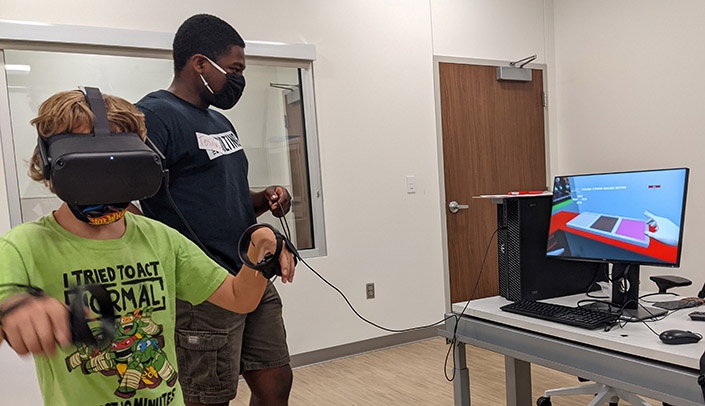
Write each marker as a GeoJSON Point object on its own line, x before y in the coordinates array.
{"type": "Point", "coordinates": [37, 325]}
{"type": "Point", "coordinates": [264, 239]}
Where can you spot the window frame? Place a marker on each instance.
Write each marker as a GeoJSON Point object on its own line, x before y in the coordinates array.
{"type": "Point", "coordinates": [20, 35]}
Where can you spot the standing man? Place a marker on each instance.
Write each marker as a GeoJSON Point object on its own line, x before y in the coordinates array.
{"type": "Point", "coordinates": [208, 182]}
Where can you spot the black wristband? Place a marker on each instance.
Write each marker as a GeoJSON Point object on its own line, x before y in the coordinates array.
{"type": "Point", "coordinates": [34, 293]}
{"type": "Point", "coordinates": [269, 266]}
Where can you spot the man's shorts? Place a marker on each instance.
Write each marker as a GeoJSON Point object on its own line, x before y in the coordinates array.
{"type": "Point", "coordinates": [214, 346]}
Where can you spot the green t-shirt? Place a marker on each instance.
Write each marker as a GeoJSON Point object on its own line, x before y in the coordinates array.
{"type": "Point", "coordinates": [145, 271]}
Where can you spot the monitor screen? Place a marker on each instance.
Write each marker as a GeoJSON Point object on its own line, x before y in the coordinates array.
{"type": "Point", "coordinates": [620, 217]}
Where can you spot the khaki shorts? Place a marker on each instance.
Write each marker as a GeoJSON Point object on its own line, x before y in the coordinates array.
{"type": "Point", "coordinates": [214, 346]}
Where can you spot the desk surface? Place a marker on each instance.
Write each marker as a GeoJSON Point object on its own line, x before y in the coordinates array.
{"type": "Point", "coordinates": [633, 339]}
{"type": "Point", "coordinates": [632, 358]}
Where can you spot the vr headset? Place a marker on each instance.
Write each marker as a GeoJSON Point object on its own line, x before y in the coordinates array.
{"type": "Point", "coordinates": [101, 167]}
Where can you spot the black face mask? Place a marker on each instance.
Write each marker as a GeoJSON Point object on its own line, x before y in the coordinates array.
{"type": "Point", "coordinates": [231, 92]}
{"type": "Point", "coordinates": [99, 214]}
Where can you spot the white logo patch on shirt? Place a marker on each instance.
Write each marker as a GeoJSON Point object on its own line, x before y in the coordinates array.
{"type": "Point", "coordinates": [218, 144]}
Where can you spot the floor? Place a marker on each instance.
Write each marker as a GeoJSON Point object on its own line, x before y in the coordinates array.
{"type": "Point", "coordinates": [412, 374]}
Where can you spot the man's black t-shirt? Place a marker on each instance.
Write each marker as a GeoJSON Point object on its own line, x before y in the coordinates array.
{"type": "Point", "coordinates": [208, 174]}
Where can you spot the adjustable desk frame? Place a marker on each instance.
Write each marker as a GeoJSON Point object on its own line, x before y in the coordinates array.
{"type": "Point", "coordinates": [653, 379]}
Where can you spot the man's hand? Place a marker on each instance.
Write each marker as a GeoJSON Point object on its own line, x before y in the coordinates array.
{"type": "Point", "coordinates": [279, 200]}
{"type": "Point", "coordinates": [275, 199]}
{"type": "Point", "coordinates": [37, 325]}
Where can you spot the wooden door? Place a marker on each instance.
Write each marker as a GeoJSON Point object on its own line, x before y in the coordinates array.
{"type": "Point", "coordinates": [493, 143]}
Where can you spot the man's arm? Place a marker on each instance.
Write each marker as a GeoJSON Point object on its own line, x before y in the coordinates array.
{"type": "Point", "coordinates": [275, 199]}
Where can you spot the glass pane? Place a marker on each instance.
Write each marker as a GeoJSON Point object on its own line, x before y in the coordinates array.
{"type": "Point", "coordinates": [271, 130]}
{"type": "Point", "coordinates": [269, 120]}
{"type": "Point", "coordinates": [34, 76]}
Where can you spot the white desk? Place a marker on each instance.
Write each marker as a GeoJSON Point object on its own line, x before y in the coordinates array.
{"type": "Point", "coordinates": [630, 358]}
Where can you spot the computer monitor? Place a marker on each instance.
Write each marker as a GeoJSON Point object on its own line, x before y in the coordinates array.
{"type": "Point", "coordinates": [622, 219]}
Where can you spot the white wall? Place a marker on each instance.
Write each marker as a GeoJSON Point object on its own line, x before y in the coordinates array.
{"type": "Point", "coordinates": [630, 96]}
{"type": "Point", "coordinates": [376, 125]}
{"type": "Point", "coordinates": [623, 94]}
{"type": "Point", "coordinates": [505, 30]}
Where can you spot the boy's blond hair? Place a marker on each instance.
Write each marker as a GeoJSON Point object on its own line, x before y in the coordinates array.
{"type": "Point", "coordinates": [65, 112]}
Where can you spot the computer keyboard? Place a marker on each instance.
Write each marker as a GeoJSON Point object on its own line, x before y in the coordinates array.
{"type": "Point", "coordinates": [574, 316]}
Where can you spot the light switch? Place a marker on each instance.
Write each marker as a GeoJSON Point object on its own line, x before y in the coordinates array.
{"type": "Point", "coordinates": [411, 184]}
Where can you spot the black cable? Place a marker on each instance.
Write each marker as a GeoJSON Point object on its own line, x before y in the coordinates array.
{"type": "Point", "coordinates": [33, 291]}
{"type": "Point", "coordinates": [457, 316]}
{"type": "Point", "coordinates": [599, 268]}
{"type": "Point", "coordinates": [656, 294]}
{"type": "Point", "coordinates": [183, 219]}
{"type": "Point", "coordinates": [650, 319]}
{"type": "Point", "coordinates": [24, 288]}
{"type": "Point", "coordinates": [391, 330]}
{"type": "Point", "coordinates": [287, 234]}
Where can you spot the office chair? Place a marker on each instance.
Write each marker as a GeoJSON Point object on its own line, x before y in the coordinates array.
{"type": "Point", "coordinates": [603, 394]}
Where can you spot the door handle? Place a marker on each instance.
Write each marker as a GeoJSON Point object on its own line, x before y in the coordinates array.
{"type": "Point", "coordinates": [454, 206]}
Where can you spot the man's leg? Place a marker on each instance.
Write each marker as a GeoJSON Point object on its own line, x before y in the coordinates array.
{"type": "Point", "coordinates": [270, 387]}
{"type": "Point", "coordinates": [208, 342]}
{"type": "Point", "coordinates": [265, 355]}
{"type": "Point", "coordinates": [203, 404]}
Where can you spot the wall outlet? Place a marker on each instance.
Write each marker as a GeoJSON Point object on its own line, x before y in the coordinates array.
{"type": "Point", "coordinates": [370, 290]}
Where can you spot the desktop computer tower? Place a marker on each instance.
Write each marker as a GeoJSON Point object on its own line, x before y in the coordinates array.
{"type": "Point", "coordinates": [524, 270]}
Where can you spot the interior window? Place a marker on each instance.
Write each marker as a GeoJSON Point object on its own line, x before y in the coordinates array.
{"type": "Point", "coordinates": [270, 120]}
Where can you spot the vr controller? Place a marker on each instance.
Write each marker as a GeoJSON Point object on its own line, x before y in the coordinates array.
{"type": "Point", "coordinates": [81, 333]}
{"type": "Point", "coordinates": [269, 266]}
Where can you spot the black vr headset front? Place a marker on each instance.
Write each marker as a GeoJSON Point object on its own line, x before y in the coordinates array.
{"type": "Point", "coordinates": [101, 167]}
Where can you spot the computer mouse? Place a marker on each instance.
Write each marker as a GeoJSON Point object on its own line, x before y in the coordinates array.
{"type": "Point", "coordinates": [679, 337]}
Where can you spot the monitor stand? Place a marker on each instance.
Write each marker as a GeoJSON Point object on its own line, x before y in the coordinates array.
{"type": "Point", "coordinates": [625, 295]}
{"type": "Point", "coordinates": [638, 314]}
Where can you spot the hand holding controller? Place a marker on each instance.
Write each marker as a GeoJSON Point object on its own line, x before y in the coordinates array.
{"type": "Point", "coordinates": [52, 322]}
{"type": "Point", "coordinates": [271, 264]}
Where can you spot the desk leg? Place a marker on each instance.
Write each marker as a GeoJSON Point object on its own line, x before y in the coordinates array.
{"type": "Point", "coordinates": [461, 382]}
{"type": "Point", "coordinates": [518, 377]}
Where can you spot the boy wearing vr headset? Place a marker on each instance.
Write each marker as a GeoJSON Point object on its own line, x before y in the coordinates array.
{"type": "Point", "coordinates": [142, 264]}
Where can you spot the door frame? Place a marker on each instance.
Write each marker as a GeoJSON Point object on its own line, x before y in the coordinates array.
{"type": "Point", "coordinates": [437, 60]}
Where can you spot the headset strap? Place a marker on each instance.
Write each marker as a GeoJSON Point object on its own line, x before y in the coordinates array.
{"type": "Point", "coordinates": [97, 106]}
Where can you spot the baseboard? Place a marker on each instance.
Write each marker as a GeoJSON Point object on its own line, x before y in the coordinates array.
{"type": "Point", "coordinates": [373, 344]}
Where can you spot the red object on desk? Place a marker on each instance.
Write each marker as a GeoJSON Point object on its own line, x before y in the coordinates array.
{"type": "Point", "coordinates": [527, 192]}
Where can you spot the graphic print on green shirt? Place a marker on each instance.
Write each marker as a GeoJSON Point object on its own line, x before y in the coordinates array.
{"type": "Point", "coordinates": [144, 272]}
